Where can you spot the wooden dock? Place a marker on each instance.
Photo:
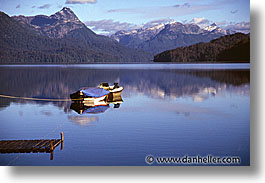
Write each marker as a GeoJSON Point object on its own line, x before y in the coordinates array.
{"type": "Point", "coordinates": [31, 146]}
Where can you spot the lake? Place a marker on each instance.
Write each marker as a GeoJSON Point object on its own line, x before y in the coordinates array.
{"type": "Point", "coordinates": [168, 110]}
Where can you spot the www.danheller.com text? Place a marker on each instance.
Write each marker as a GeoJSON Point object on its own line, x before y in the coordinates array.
{"type": "Point", "coordinates": [209, 159]}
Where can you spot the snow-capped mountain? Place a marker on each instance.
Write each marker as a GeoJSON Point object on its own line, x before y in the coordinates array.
{"type": "Point", "coordinates": [137, 35]}
{"type": "Point", "coordinates": [215, 29]}
{"type": "Point", "coordinates": [168, 36]}
{"type": "Point", "coordinates": [54, 26]}
{"type": "Point", "coordinates": [177, 27]}
{"type": "Point", "coordinates": [211, 27]}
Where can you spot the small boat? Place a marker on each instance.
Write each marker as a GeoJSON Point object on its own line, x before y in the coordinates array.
{"type": "Point", "coordinates": [95, 107]}
{"type": "Point", "coordinates": [94, 94]}
{"type": "Point", "coordinates": [115, 88]}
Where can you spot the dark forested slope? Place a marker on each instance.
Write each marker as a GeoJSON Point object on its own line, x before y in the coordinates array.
{"type": "Point", "coordinates": [232, 48]}
{"type": "Point", "coordinates": [20, 43]}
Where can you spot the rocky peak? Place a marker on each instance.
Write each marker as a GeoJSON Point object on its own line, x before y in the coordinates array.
{"type": "Point", "coordinates": [177, 27]}
{"type": "Point", "coordinates": [174, 25]}
{"type": "Point", "coordinates": [213, 28]}
{"type": "Point", "coordinates": [142, 34]}
{"type": "Point", "coordinates": [54, 26]}
{"type": "Point", "coordinates": [65, 14]}
{"type": "Point", "coordinates": [213, 25]}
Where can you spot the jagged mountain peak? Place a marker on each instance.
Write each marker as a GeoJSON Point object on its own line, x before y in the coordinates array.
{"type": "Point", "coordinates": [157, 26]}
{"type": "Point", "coordinates": [213, 24]}
{"type": "Point", "coordinates": [65, 14]}
{"type": "Point", "coordinates": [57, 25]}
{"type": "Point", "coordinates": [177, 27]}
{"type": "Point", "coordinates": [168, 36]}
{"type": "Point", "coordinates": [173, 24]}
{"type": "Point", "coordinates": [66, 9]}
{"type": "Point", "coordinates": [214, 28]}
{"type": "Point", "coordinates": [141, 34]}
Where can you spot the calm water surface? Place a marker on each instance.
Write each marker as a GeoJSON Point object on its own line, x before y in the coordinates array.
{"type": "Point", "coordinates": [167, 110]}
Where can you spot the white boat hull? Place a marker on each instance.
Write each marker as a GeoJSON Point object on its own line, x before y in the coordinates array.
{"type": "Point", "coordinates": [95, 99]}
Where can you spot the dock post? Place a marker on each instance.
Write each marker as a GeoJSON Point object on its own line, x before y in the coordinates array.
{"type": "Point", "coordinates": [62, 140]}
{"type": "Point", "coordinates": [61, 145]}
{"type": "Point", "coordinates": [51, 157]}
{"type": "Point", "coordinates": [62, 136]}
{"type": "Point", "coordinates": [51, 145]}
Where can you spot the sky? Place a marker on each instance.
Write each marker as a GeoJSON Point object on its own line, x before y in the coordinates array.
{"type": "Point", "coordinates": [109, 16]}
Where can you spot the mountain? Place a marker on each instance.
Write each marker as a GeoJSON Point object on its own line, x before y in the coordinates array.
{"type": "Point", "coordinates": [137, 36]}
{"type": "Point", "coordinates": [19, 43]}
{"type": "Point", "coordinates": [59, 38]}
{"type": "Point", "coordinates": [231, 48]}
{"type": "Point", "coordinates": [213, 28]}
{"type": "Point", "coordinates": [55, 26]}
{"type": "Point", "coordinates": [163, 37]}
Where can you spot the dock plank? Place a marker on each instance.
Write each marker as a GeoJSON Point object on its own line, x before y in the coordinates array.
{"type": "Point", "coordinates": [21, 146]}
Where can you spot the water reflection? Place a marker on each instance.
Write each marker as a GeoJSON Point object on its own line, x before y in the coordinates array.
{"type": "Point", "coordinates": [166, 112]}
{"type": "Point", "coordinates": [56, 83]}
{"type": "Point", "coordinates": [86, 108]}
{"type": "Point", "coordinates": [83, 120]}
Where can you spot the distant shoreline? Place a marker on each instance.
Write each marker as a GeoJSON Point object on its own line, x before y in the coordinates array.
{"type": "Point", "coordinates": [191, 66]}
{"type": "Point", "coordinates": [105, 63]}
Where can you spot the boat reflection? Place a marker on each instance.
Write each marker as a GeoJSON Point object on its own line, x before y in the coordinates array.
{"type": "Point", "coordinates": [97, 107]}
{"type": "Point", "coordinates": [83, 107]}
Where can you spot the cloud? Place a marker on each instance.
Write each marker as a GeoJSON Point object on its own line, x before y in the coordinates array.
{"type": "Point", "coordinates": [110, 26]}
{"type": "Point", "coordinates": [147, 10]}
{"type": "Point", "coordinates": [18, 6]}
{"type": "Point", "coordinates": [243, 27]}
{"type": "Point", "coordinates": [45, 6]}
{"type": "Point", "coordinates": [80, 1]}
{"type": "Point", "coordinates": [222, 23]}
{"type": "Point", "coordinates": [185, 5]}
{"type": "Point", "coordinates": [157, 22]}
{"type": "Point", "coordinates": [234, 11]}
{"type": "Point", "coordinates": [200, 21]}
{"type": "Point", "coordinates": [59, 6]}
{"type": "Point", "coordinates": [127, 10]}
{"type": "Point", "coordinates": [174, 10]}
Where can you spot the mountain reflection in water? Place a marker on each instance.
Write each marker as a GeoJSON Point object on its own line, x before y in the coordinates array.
{"type": "Point", "coordinates": [58, 83]}
{"type": "Point", "coordinates": [161, 111]}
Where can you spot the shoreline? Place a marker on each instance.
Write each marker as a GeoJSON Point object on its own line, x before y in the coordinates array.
{"type": "Point", "coordinates": [191, 66]}
{"type": "Point", "coordinates": [140, 63]}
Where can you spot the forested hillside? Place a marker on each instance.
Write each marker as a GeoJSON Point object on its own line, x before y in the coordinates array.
{"type": "Point", "coordinates": [231, 48]}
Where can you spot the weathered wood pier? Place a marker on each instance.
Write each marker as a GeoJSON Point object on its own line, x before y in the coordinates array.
{"type": "Point", "coordinates": [31, 146]}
